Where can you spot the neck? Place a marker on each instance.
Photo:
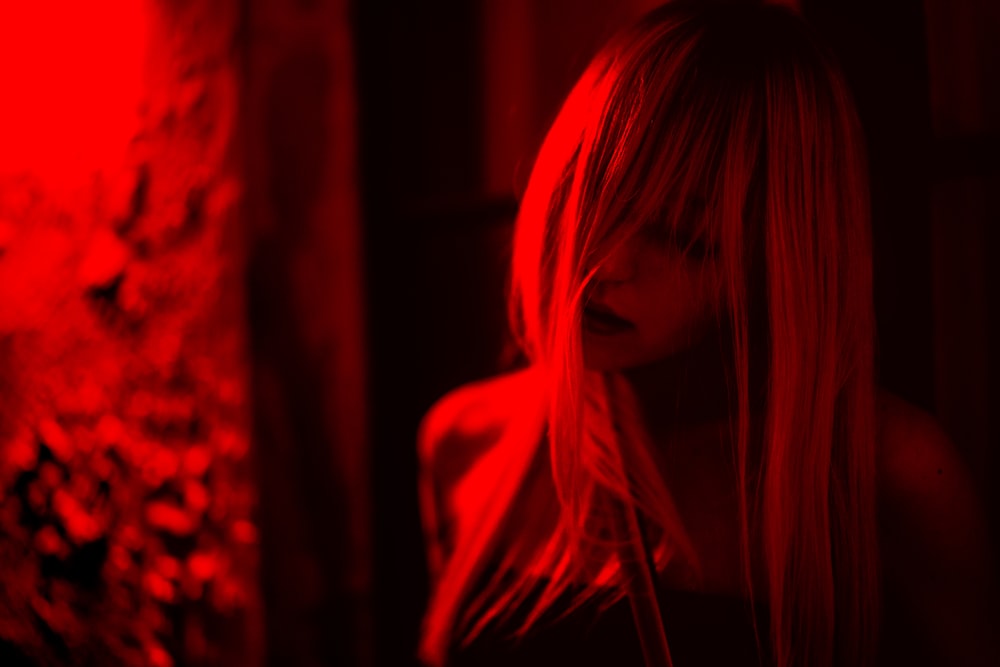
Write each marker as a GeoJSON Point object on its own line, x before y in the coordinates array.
{"type": "Point", "coordinates": [684, 391]}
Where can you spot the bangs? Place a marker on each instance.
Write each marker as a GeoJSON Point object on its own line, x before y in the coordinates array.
{"type": "Point", "coordinates": [657, 160]}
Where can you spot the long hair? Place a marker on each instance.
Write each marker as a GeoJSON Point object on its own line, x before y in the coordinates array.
{"type": "Point", "coordinates": [746, 102]}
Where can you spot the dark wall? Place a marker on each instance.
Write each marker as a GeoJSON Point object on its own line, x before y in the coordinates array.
{"type": "Point", "coordinates": [425, 239]}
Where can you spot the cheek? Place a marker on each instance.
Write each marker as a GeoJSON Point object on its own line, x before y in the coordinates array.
{"type": "Point", "coordinates": [673, 303]}
{"type": "Point", "coordinates": [680, 304]}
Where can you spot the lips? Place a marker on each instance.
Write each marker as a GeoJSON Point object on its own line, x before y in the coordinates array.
{"type": "Point", "coordinates": [602, 320]}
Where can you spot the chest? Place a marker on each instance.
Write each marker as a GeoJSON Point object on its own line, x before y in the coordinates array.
{"type": "Point", "coordinates": [704, 486]}
{"type": "Point", "coordinates": [705, 492]}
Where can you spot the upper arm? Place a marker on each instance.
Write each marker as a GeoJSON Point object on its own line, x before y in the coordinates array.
{"type": "Point", "coordinates": [433, 433]}
{"type": "Point", "coordinates": [936, 548]}
{"type": "Point", "coordinates": [455, 431]}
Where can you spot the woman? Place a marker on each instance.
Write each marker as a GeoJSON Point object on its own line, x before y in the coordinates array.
{"type": "Point", "coordinates": [696, 467]}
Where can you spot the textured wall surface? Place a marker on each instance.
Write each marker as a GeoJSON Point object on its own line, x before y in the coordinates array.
{"type": "Point", "coordinates": [127, 534]}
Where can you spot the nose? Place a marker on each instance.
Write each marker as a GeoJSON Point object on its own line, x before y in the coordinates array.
{"type": "Point", "coordinates": [621, 265]}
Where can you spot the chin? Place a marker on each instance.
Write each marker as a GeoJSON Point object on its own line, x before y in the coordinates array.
{"type": "Point", "coordinates": [607, 357]}
{"type": "Point", "coordinates": [611, 354]}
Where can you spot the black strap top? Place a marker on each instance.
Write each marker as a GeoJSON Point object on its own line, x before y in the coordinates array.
{"type": "Point", "coordinates": [703, 630]}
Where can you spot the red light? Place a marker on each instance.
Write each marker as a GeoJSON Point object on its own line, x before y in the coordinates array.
{"type": "Point", "coordinates": [71, 80]}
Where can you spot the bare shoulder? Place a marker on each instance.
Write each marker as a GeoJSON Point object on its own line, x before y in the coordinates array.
{"type": "Point", "coordinates": [916, 455]}
{"type": "Point", "coordinates": [922, 475]}
{"type": "Point", "coordinates": [934, 536]}
{"type": "Point", "coordinates": [466, 422]}
{"type": "Point", "coordinates": [459, 438]}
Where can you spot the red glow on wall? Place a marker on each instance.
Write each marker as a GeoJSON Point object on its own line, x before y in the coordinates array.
{"type": "Point", "coordinates": [71, 77]}
{"type": "Point", "coordinates": [126, 499]}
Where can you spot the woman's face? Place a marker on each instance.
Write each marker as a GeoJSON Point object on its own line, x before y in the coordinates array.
{"type": "Point", "coordinates": [649, 300]}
